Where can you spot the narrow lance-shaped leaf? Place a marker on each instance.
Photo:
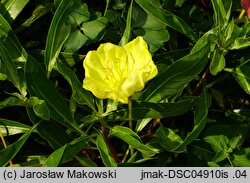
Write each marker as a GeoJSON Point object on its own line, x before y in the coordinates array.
{"type": "Point", "coordinates": [131, 138]}
{"type": "Point", "coordinates": [222, 11]}
{"type": "Point", "coordinates": [143, 110]}
{"type": "Point", "coordinates": [242, 75]}
{"type": "Point", "coordinates": [40, 108]}
{"type": "Point", "coordinates": [12, 101]}
{"type": "Point", "coordinates": [10, 70]}
{"type": "Point", "coordinates": [240, 43]}
{"type": "Point", "coordinates": [217, 63]}
{"type": "Point", "coordinates": [200, 119]}
{"type": "Point", "coordinates": [10, 41]}
{"type": "Point", "coordinates": [105, 153]}
{"type": "Point", "coordinates": [173, 79]}
{"type": "Point", "coordinates": [38, 12]}
{"type": "Point", "coordinates": [66, 152]}
{"type": "Point", "coordinates": [39, 85]}
{"type": "Point", "coordinates": [169, 140]}
{"type": "Point", "coordinates": [10, 127]}
{"type": "Point", "coordinates": [58, 33]}
{"type": "Point", "coordinates": [167, 18]}
{"type": "Point", "coordinates": [50, 131]}
{"type": "Point", "coordinates": [80, 95]}
{"type": "Point", "coordinates": [9, 153]}
{"type": "Point", "coordinates": [127, 31]}
{"type": "Point", "coordinates": [12, 8]}
{"type": "Point", "coordinates": [219, 12]}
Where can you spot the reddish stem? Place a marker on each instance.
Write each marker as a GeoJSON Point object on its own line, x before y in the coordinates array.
{"type": "Point", "coordinates": [111, 147]}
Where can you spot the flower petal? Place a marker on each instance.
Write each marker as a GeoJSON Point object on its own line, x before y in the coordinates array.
{"type": "Point", "coordinates": [95, 75]}
{"type": "Point", "coordinates": [140, 59]}
{"type": "Point", "coordinates": [103, 71]}
{"type": "Point", "coordinates": [117, 72]}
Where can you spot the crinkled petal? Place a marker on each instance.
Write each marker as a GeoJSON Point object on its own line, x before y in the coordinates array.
{"type": "Point", "coordinates": [140, 59]}
{"type": "Point", "coordinates": [104, 71]}
{"type": "Point", "coordinates": [95, 75]}
{"type": "Point", "coordinates": [117, 72]}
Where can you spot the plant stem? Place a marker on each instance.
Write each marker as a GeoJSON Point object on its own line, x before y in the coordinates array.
{"type": "Point", "coordinates": [199, 85]}
{"type": "Point", "coordinates": [219, 80]}
{"type": "Point", "coordinates": [125, 156]}
{"type": "Point", "coordinates": [106, 8]}
{"type": "Point", "coordinates": [240, 16]}
{"type": "Point", "coordinates": [111, 147]}
{"type": "Point", "coordinates": [130, 119]}
{"type": "Point", "coordinates": [130, 115]}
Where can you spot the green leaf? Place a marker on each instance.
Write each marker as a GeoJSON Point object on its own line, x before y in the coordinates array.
{"type": "Point", "coordinates": [50, 131]}
{"type": "Point", "coordinates": [9, 153]}
{"type": "Point", "coordinates": [12, 101]}
{"type": "Point", "coordinates": [169, 140]}
{"type": "Point", "coordinates": [222, 11]}
{"type": "Point", "coordinates": [80, 13]}
{"type": "Point", "coordinates": [10, 70]}
{"type": "Point", "coordinates": [242, 75]}
{"type": "Point", "coordinates": [12, 8]}
{"type": "Point", "coordinates": [200, 119]}
{"type": "Point", "coordinates": [131, 138]}
{"type": "Point", "coordinates": [3, 77]}
{"type": "Point", "coordinates": [154, 38]}
{"type": "Point", "coordinates": [231, 33]}
{"type": "Point", "coordinates": [219, 142]}
{"type": "Point", "coordinates": [127, 32]}
{"type": "Point", "coordinates": [229, 130]}
{"type": "Point", "coordinates": [40, 107]}
{"type": "Point", "coordinates": [213, 164]}
{"type": "Point", "coordinates": [105, 152]}
{"type": "Point", "coordinates": [209, 38]}
{"type": "Point", "coordinates": [86, 161]}
{"type": "Point", "coordinates": [173, 79]}
{"type": "Point", "coordinates": [71, 59]}
{"type": "Point", "coordinates": [66, 152]}
{"type": "Point", "coordinates": [39, 11]}
{"type": "Point", "coordinates": [9, 127]}
{"type": "Point", "coordinates": [141, 110]}
{"type": "Point", "coordinates": [10, 41]}
{"type": "Point", "coordinates": [153, 31]}
{"type": "Point", "coordinates": [202, 150]}
{"type": "Point", "coordinates": [220, 156]}
{"type": "Point", "coordinates": [80, 95]}
{"type": "Point", "coordinates": [93, 29]}
{"type": "Point", "coordinates": [225, 141]}
{"type": "Point", "coordinates": [75, 41]}
{"type": "Point", "coordinates": [240, 43]}
{"type": "Point", "coordinates": [68, 58]}
{"type": "Point", "coordinates": [58, 33]}
{"type": "Point", "coordinates": [41, 87]}
{"type": "Point", "coordinates": [241, 158]}
{"type": "Point", "coordinates": [217, 63]}
{"type": "Point", "coordinates": [167, 18]}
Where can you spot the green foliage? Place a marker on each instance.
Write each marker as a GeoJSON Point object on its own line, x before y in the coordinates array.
{"type": "Point", "coordinates": [195, 112]}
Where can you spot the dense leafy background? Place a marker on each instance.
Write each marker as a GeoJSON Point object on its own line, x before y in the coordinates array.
{"type": "Point", "coordinates": [196, 112]}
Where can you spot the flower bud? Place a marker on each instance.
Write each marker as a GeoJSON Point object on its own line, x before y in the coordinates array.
{"type": "Point", "coordinates": [246, 6]}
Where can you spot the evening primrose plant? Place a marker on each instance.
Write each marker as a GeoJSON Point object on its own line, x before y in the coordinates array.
{"type": "Point", "coordinates": [124, 83]}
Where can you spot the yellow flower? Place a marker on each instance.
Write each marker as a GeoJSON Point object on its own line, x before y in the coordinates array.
{"type": "Point", "coordinates": [117, 72]}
